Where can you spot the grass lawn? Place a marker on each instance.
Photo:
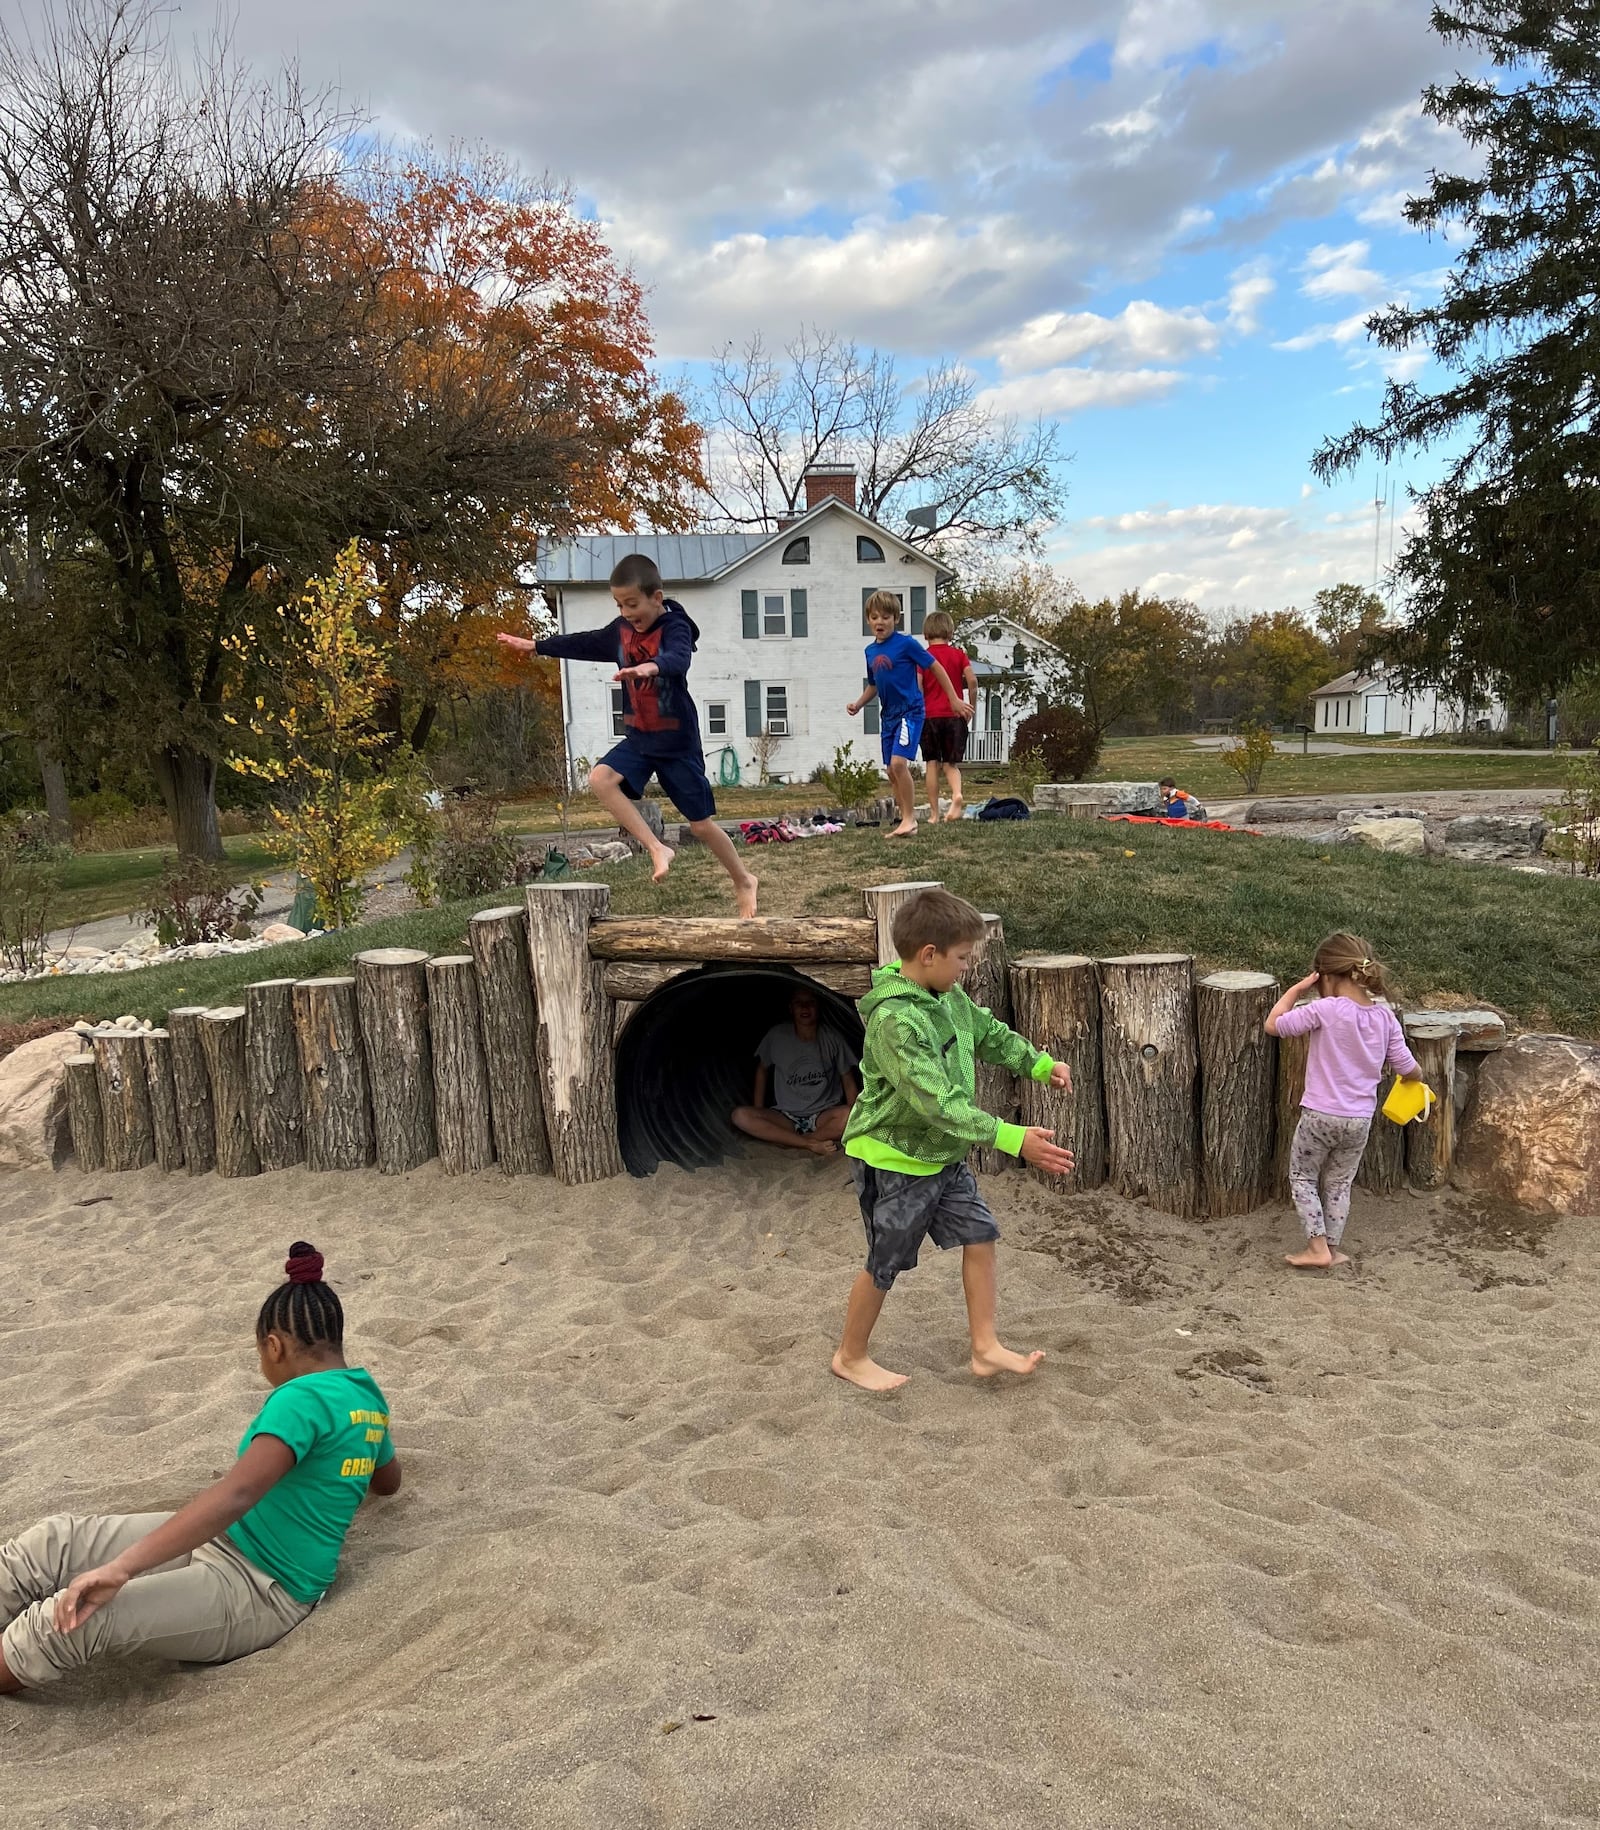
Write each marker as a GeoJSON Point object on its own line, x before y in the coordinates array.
{"type": "Point", "coordinates": [1528, 944]}
{"type": "Point", "coordinates": [1365, 772]}
{"type": "Point", "coordinates": [100, 883]}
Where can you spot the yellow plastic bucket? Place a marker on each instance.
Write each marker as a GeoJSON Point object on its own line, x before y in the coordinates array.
{"type": "Point", "coordinates": [1408, 1100]}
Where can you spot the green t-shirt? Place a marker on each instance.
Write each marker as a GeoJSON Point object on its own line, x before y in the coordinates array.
{"type": "Point", "coordinates": [337, 1425]}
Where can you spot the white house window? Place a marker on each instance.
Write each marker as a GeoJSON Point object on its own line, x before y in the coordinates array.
{"type": "Point", "coordinates": [868, 552]}
{"type": "Point", "coordinates": [994, 717]}
{"type": "Point", "coordinates": [619, 706]}
{"type": "Point", "coordinates": [774, 616]}
{"type": "Point", "coordinates": [798, 552]}
{"type": "Point", "coordinates": [717, 718]}
{"type": "Point", "coordinates": [778, 710]}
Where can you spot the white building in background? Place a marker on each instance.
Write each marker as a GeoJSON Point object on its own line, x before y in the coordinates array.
{"type": "Point", "coordinates": [1366, 705]}
{"type": "Point", "coordinates": [1006, 660]}
{"type": "Point", "coordinates": [782, 629]}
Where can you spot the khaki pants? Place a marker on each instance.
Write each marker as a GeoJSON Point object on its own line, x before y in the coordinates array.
{"type": "Point", "coordinates": [209, 1607]}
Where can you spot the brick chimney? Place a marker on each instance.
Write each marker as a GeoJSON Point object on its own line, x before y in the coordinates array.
{"type": "Point", "coordinates": [830, 483]}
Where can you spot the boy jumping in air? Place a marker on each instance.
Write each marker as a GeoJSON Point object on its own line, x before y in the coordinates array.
{"type": "Point", "coordinates": [893, 661]}
{"type": "Point", "coordinates": [911, 1129]}
{"type": "Point", "coordinates": [651, 644]}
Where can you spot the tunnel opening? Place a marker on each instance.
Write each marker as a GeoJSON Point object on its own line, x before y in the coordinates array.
{"type": "Point", "coordinates": [688, 1056]}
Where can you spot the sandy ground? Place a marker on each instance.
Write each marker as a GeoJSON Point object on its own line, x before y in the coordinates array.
{"type": "Point", "coordinates": [1253, 1549]}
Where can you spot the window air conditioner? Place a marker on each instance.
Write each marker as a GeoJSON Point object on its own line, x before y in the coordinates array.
{"type": "Point", "coordinates": [778, 727]}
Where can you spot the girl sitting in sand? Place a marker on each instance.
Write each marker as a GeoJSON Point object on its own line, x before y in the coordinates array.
{"type": "Point", "coordinates": [246, 1560]}
{"type": "Point", "coordinates": [1354, 1040]}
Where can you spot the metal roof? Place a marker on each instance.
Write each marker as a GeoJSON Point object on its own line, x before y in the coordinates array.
{"type": "Point", "coordinates": [680, 558]}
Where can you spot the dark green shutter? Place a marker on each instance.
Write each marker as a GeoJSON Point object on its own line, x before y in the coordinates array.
{"type": "Point", "coordinates": [919, 608]}
{"type": "Point", "coordinates": [798, 624]}
{"type": "Point", "coordinates": [871, 722]}
{"type": "Point", "coordinates": [752, 708]}
{"type": "Point", "coordinates": [750, 611]}
{"type": "Point", "coordinates": [866, 592]}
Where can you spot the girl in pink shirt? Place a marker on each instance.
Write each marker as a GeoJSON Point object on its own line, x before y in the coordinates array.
{"type": "Point", "coordinates": [1354, 1042]}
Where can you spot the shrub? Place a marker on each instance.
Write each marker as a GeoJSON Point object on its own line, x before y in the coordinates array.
{"type": "Point", "coordinates": [849, 782]}
{"type": "Point", "coordinates": [1248, 755]}
{"type": "Point", "coordinates": [1063, 739]}
{"type": "Point", "coordinates": [1576, 820]}
{"type": "Point", "coordinates": [196, 900]}
{"type": "Point", "coordinates": [472, 856]}
{"type": "Point", "coordinates": [30, 880]}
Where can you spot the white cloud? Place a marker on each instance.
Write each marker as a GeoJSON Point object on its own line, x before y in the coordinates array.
{"type": "Point", "coordinates": [1343, 331]}
{"type": "Point", "coordinates": [1062, 391]}
{"type": "Point", "coordinates": [1140, 332]}
{"type": "Point", "coordinates": [1252, 287]}
{"type": "Point", "coordinates": [1337, 272]}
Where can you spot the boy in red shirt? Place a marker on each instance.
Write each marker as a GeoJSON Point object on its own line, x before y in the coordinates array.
{"type": "Point", "coordinates": [944, 727]}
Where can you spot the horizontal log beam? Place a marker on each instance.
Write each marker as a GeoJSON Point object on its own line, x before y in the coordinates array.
{"type": "Point", "coordinates": [631, 981]}
{"type": "Point", "coordinates": [787, 940]}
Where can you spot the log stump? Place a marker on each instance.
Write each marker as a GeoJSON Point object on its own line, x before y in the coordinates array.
{"type": "Point", "coordinates": [1383, 1162]}
{"type": "Point", "coordinates": [272, 1066]}
{"type": "Point", "coordinates": [649, 810]}
{"type": "Point", "coordinates": [575, 1041]}
{"type": "Point", "coordinates": [124, 1098]}
{"type": "Point", "coordinates": [1150, 1058]}
{"type": "Point", "coordinates": [164, 1125]}
{"type": "Point", "coordinates": [1055, 1003]}
{"type": "Point", "coordinates": [222, 1033]}
{"type": "Point", "coordinates": [191, 1084]}
{"type": "Point", "coordinates": [1238, 1089]}
{"type": "Point", "coordinates": [623, 1012]}
{"type": "Point", "coordinates": [392, 998]}
{"type": "Point", "coordinates": [1293, 1053]}
{"type": "Point", "coordinates": [884, 901]}
{"type": "Point", "coordinates": [460, 1071]}
{"type": "Point", "coordinates": [1431, 1142]}
{"type": "Point", "coordinates": [988, 983]}
{"type": "Point", "coordinates": [84, 1116]}
{"type": "Point", "coordinates": [499, 942]}
{"type": "Point", "coordinates": [333, 1068]}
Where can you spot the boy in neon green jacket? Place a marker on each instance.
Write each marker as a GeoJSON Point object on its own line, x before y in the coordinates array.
{"type": "Point", "coordinates": [915, 1122]}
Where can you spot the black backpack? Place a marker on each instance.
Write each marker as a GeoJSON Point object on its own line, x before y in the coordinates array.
{"type": "Point", "coordinates": [1005, 808]}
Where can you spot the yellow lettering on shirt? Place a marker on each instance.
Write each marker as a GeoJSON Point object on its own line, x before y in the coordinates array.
{"type": "Point", "coordinates": [381, 1418]}
{"type": "Point", "coordinates": [358, 1467]}
{"type": "Point", "coordinates": [374, 1435]}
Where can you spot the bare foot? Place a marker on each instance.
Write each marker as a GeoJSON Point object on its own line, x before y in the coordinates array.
{"type": "Point", "coordinates": [1340, 1258]}
{"type": "Point", "coordinates": [1316, 1257]}
{"type": "Point", "coordinates": [903, 831]}
{"type": "Point", "coordinates": [661, 862]}
{"type": "Point", "coordinates": [957, 808]}
{"type": "Point", "coordinates": [999, 1359]}
{"type": "Point", "coordinates": [868, 1374]}
{"type": "Point", "coordinates": [822, 1146]}
{"type": "Point", "coordinates": [745, 896]}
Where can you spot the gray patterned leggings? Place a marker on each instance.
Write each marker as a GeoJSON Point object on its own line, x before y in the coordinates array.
{"type": "Point", "coordinates": [1323, 1160]}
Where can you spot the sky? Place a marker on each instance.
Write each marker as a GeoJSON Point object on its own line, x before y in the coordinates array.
{"type": "Point", "coordinates": [1160, 222]}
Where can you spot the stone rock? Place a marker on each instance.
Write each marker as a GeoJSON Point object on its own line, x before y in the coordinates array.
{"type": "Point", "coordinates": [1348, 815]}
{"type": "Point", "coordinates": [1494, 835]}
{"type": "Point", "coordinates": [1478, 1032]}
{"type": "Point", "coordinates": [84, 953]}
{"type": "Point", "coordinates": [649, 810]}
{"type": "Point", "coordinates": [276, 931]}
{"type": "Point", "coordinates": [1409, 837]}
{"type": "Point", "coordinates": [1268, 813]}
{"type": "Point", "coordinates": [1114, 797]}
{"type": "Point", "coordinates": [33, 1102]}
{"type": "Point", "coordinates": [1532, 1133]}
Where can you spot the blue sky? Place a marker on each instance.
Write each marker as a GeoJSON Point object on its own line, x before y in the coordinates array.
{"type": "Point", "coordinates": [1159, 222]}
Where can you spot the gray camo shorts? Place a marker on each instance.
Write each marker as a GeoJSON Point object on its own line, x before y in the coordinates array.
{"type": "Point", "coordinates": [900, 1211]}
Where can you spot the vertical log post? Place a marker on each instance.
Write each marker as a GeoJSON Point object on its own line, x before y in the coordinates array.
{"type": "Point", "coordinates": [460, 1073]}
{"type": "Point", "coordinates": [576, 1046]}
{"type": "Point", "coordinates": [884, 901]}
{"type": "Point", "coordinates": [1055, 1002]}
{"type": "Point", "coordinates": [84, 1116]}
{"type": "Point", "coordinates": [163, 1099]}
{"type": "Point", "coordinates": [1238, 1089]}
{"type": "Point", "coordinates": [499, 942]}
{"type": "Point", "coordinates": [191, 1084]}
{"type": "Point", "coordinates": [1383, 1162]}
{"type": "Point", "coordinates": [222, 1033]}
{"type": "Point", "coordinates": [333, 1067]}
{"type": "Point", "coordinates": [989, 984]}
{"type": "Point", "coordinates": [624, 1008]}
{"type": "Point", "coordinates": [272, 1064]}
{"type": "Point", "coordinates": [1431, 1142]}
{"type": "Point", "coordinates": [1293, 1053]}
{"type": "Point", "coordinates": [392, 997]}
{"type": "Point", "coordinates": [1149, 1060]}
{"type": "Point", "coordinates": [124, 1098]}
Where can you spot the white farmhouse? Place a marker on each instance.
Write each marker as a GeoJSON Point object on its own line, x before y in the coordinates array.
{"type": "Point", "coordinates": [781, 625]}
{"type": "Point", "coordinates": [1006, 659]}
{"type": "Point", "coordinates": [1366, 704]}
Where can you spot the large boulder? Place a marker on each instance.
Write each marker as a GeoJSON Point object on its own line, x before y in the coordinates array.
{"type": "Point", "coordinates": [33, 1102]}
{"type": "Point", "coordinates": [1114, 797]}
{"type": "Point", "coordinates": [1409, 837]}
{"type": "Point", "coordinates": [1349, 815]}
{"type": "Point", "coordinates": [1487, 836]}
{"type": "Point", "coordinates": [276, 932]}
{"type": "Point", "coordinates": [1270, 813]}
{"type": "Point", "coordinates": [1532, 1134]}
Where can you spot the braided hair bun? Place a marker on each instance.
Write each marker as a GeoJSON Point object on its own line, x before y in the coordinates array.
{"type": "Point", "coordinates": [304, 1309]}
{"type": "Point", "coordinates": [304, 1264]}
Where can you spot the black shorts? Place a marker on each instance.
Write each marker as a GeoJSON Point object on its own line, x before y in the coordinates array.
{"type": "Point", "coordinates": [682, 779]}
{"type": "Point", "coordinates": [900, 1211]}
{"type": "Point", "coordinates": [944, 740]}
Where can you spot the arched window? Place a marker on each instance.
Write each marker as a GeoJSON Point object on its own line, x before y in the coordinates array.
{"type": "Point", "coordinates": [868, 552]}
{"type": "Point", "coordinates": [1019, 657]}
{"type": "Point", "coordinates": [798, 552]}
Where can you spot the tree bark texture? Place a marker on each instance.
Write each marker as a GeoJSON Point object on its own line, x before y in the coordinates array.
{"type": "Point", "coordinates": [333, 1069]}
{"type": "Point", "coordinates": [885, 901]}
{"type": "Point", "coordinates": [124, 1099]}
{"type": "Point", "coordinates": [1293, 1053]}
{"type": "Point", "coordinates": [57, 802]}
{"type": "Point", "coordinates": [636, 980]}
{"type": "Point", "coordinates": [575, 1037]}
{"type": "Point", "coordinates": [623, 1009]}
{"type": "Point", "coordinates": [84, 1116]}
{"type": "Point", "coordinates": [988, 983]}
{"type": "Point", "coordinates": [1383, 1162]}
{"type": "Point", "coordinates": [1238, 1089]}
{"type": "Point", "coordinates": [187, 780]}
{"type": "Point", "coordinates": [223, 1031]}
{"type": "Point", "coordinates": [392, 997]}
{"type": "Point", "coordinates": [272, 1062]}
{"type": "Point", "coordinates": [788, 940]}
{"type": "Point", "coordinates": [191, 1082]}
{"type": "Point", "coordinates": [499, 942]}
{"type": "Point", "coordinates": [1150, 1061]}
{"type": "Point", "coordinates": [1431, 1142]}
{"type": "Point", "coordinates": [1056, 1004]}
{"type": "Point", "coordinates": [460, 1070]}
{"type": "Point", "coordinates": [167, 1132]}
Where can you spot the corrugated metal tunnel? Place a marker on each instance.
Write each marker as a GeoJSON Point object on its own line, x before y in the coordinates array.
{"type": "Point", "coordinates": [688, 1057]}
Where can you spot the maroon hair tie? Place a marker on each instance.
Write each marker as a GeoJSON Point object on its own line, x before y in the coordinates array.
{"type": "Point", "coordinates": [304, 1267]}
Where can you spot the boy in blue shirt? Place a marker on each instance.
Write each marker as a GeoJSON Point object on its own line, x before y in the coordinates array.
{"type": "Point", "coordinates": [651, 644]}
{"type": "Point", "coordinates": [893, 660]}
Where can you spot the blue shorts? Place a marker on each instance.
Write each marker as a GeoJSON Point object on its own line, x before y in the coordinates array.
{"type": "Point", "coordinates": [901, 735]}
{"type": "Point", "coordinates": [682, 779]}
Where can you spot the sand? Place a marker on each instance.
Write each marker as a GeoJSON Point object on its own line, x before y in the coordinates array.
{"type": "Point", "coordinates": [1253, 1549]}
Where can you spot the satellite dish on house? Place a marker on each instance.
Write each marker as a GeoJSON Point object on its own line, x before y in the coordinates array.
{"type": "Point", "coordinates": [923, 517]}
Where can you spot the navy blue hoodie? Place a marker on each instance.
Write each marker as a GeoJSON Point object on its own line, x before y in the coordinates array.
{"type": "Point", "coordinates": [658, 716]}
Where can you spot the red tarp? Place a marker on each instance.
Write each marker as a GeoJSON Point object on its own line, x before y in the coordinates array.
{"type": "Point", "coordinates": [1157, 819]}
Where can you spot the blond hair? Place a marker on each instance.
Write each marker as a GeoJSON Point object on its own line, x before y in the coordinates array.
{"type": "Point", "coordinates": [939, 626]}
{"type": "Point", "coordinates": [934, 918]}
{"type": "Point", "coordinates": [1348, 956]}
{"type": "Point", "coordinates": [883, 603]}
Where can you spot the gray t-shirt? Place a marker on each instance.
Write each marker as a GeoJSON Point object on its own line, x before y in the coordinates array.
{"type": "Point", "coordinates": [806, 1076]}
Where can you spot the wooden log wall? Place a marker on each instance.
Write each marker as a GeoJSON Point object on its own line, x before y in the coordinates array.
{"type": "Point", "coordinates": [499, 942]}
{"type": "Point", "coordinates": [392, 998]}
{"type": "Point", "coordinates": [1383, 1162]}
{"type": "Point", "coordinates": [989, 983]}
{"type": "Point", "coordinates": [576, 1044]}
{"type": "Point", "coordinates": [272, 1071]}
{"type": "Point", "coordinates": [191, 1086]}
{"type": "Point", "coordinates": [884, 901]}
{"type": "Point", "coordinates": [838, 939]}
{"type": "Point", "coordinates": [333, 1070]}
{"type": "Point", "coordinates": [460, 1067]}
{"type": "Point", "coordinates": [1238, 1089]}
{"type": "Point", "coordinates": [84, 1117]}
{"type": "Point", "coordinates": [1055, 1001]}
{"type": "Point", "coordinates": [1431, 1146]}
{"type": "Point", "coordinates": [1150, 1061]}
{"type": "Point", "coordinates": [124, 1098]}
{"type": "Point", "coordinates": [167, 1132]}
{"type": "Point", "coordinates": [222, 1034]}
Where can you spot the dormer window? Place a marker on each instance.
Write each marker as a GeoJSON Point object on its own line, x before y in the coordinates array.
{"type": "Point", "coordinates": [798, 552]}
{"type": "Point", "coordinates": [868, 552]}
